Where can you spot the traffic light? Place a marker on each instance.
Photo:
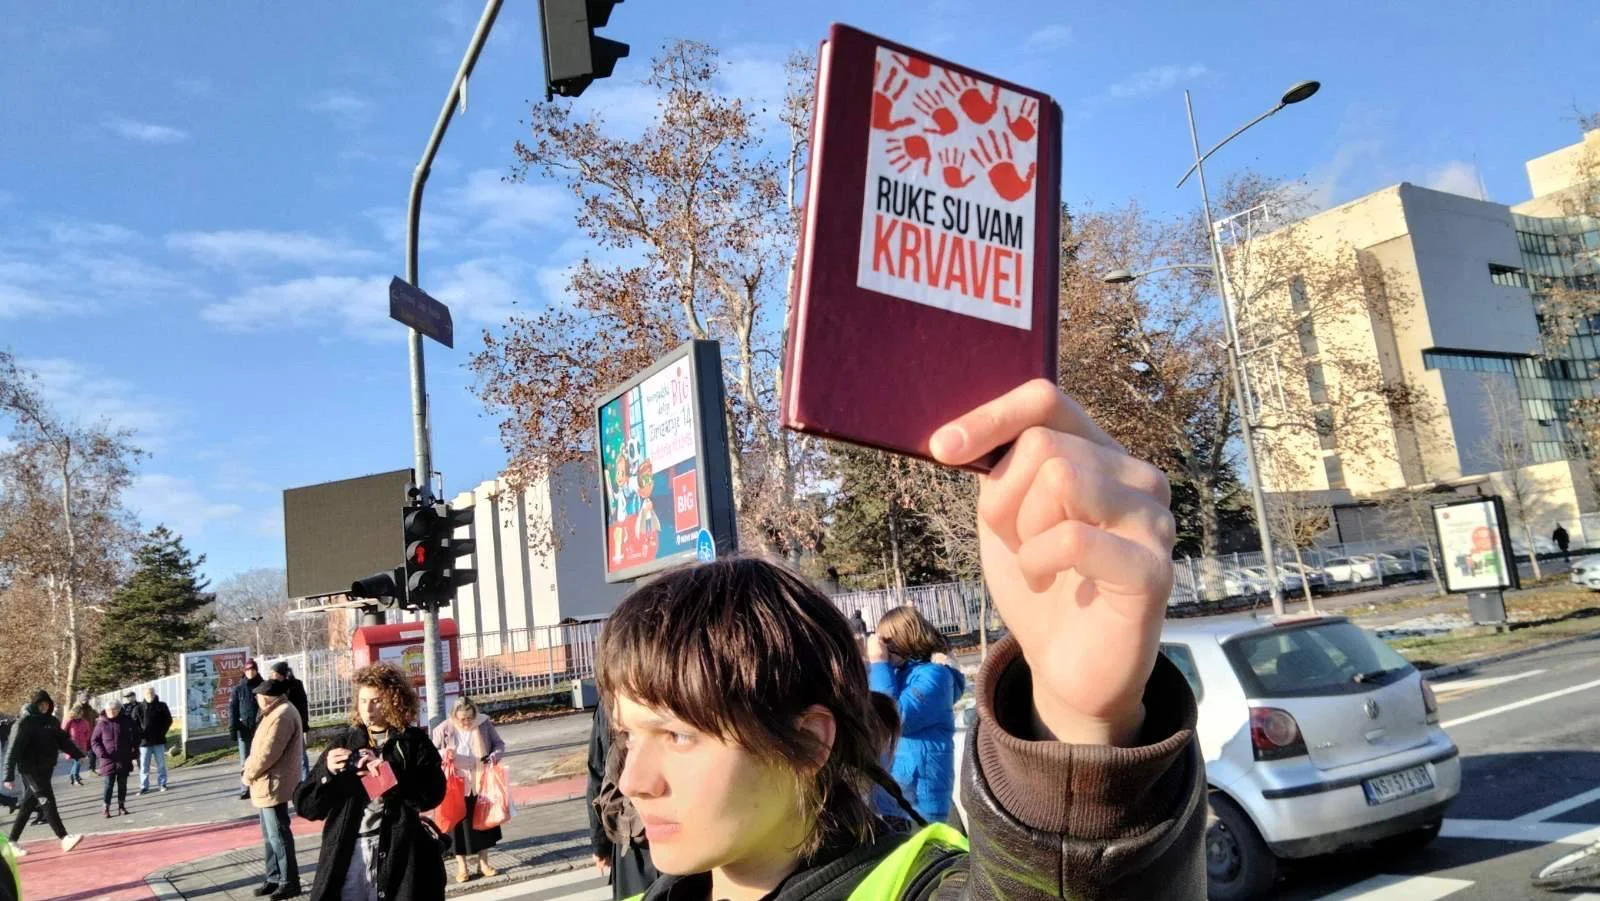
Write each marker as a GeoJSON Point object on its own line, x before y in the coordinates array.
{"type": "Point", "coordinates": [431, 548]}
{"type": "Point", "coordinates": [385, 586]}
{"type": "Point", "coordinates": [573, 56]}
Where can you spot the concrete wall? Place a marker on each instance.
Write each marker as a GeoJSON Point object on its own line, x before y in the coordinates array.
{"type": "Point", "coordinates": [1555, 172]}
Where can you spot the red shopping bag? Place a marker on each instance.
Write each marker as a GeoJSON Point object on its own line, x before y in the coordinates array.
{"type": "Point", "coordinates": [453, 809]}
{"type": "Point", "coordinates": [494, 797]}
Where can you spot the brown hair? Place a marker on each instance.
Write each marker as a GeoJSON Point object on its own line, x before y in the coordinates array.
{"type": "Point", "coordinates": [83, 712]}
{"type": "Point", "coordinates": [397, 698]}
{"type": "Point", "coordinates": [740, 649]}
{"type": "Point", "coordinates": [888, 714]}
{"type": "Point", "coordinates": [907, 633]}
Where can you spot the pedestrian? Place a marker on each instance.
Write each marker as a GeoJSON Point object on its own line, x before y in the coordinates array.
{"type": "Point", "coordinates": [858, 625]}
{"type": "Point", "coordinates": [901, 665]}
{"type": "Point", "coordinates": [887, 806]}
{"type": "Point", "coordinates": [272, 775]}
{"type": "Point", "coordinates": [302, 705]}
{"type": "Point", "coordinates": [377, 848]}
{"type": "Point", "coordinates": [751, 746]}
{"type": "Point", "coordinates": [621, 851]}
{"type": "Point", "coordinates": [155, 721]}
{"type": "Point", "coordinates": [80, 727]}
{"type": "Point", "coordinates": [116, 744]}
{"type": "Point", "coordinates": [242, 714]}
{"type": "Point", "coordinates": [1562, 540]}
{"type": "Point", "coordinates": [468, 741]}
{"type": "Point", "coordinates": [37, 743]}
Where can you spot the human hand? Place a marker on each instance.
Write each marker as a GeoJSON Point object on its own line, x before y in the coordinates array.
{"type": "Point", "coordinates": [1076, 541]}
{"type": "Point", "coordinates": [942, 659]}
{"type": "Point", "coordinates": [338, 759]}
{"type": "Point", "coordinates": [602, 863]}
{"type": "Point", "coordinates": [875, 650]}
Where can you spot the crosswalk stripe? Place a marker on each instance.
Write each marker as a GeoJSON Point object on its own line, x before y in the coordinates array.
{"type": "Point", "coordinates": [1518, 705]}
{"type": "Point", "coordinates": [581, 884]}
{"type": "Point", "coordinates": [1458, 685]}
{"type": "Point", "coordinates": [1400, 888]}
{"type": "Point", "coordinates": [1560, 807]}
{"type": "Point", "coordinates": [1509, 831]}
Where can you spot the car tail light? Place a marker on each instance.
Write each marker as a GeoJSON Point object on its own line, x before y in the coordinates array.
{"type": "Point", "coordinates": [1274, 735]}
{"type": "Point", "coordinates": [1430, 703]}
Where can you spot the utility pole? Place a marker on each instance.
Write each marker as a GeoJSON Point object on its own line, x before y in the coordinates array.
{"type": "Point", "coordinates": [423, 466]}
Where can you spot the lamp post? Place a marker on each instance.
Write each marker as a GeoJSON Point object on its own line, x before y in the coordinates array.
{"type": "Point", "coordinates": [257, 621]}
{"type": "Point", "coordinates": [1296, 93]}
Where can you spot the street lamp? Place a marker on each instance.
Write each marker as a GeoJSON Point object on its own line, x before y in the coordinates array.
{"type": "Point", "coordinates": [1296, 93]}
{"type": "Point", "coordinates": [257, 621]}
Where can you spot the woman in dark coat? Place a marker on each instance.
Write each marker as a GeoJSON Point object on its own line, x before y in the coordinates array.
{"type": "Point", "coordinates": [115, 742]}
{"type": "Point", "coordinates": [382, 849]}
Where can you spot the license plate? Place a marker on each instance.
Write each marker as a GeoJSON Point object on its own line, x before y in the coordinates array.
{"type": "Point", "coordinates": [1403, 784]}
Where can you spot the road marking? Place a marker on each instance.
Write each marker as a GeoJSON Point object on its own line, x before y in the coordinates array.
{"type": "Point", "coordinates": [1400, 888]}
{"type": "Point", "coordinates": [1511, 831]}
{"type": "Point", "coordinates": [1560, 807]}
{"type": "Point", "coordinates": [1518, 705]}
{"type": "Point", "coordinates": [1462, 685]}
{"type": "Point", "coordinates": [582, 884]}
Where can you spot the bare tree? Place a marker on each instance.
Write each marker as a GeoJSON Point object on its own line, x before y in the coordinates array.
{"type": "Point", "coordinates": [1505, 445]}
{"type": "Point", "coordinates": [1408, 512]}
{"type": "Point", "coordinates": [256, 603]}
{"type": "Point", "coordinates": [63, 530]}
{"type": "Point", "coordinates": [1297, 520]}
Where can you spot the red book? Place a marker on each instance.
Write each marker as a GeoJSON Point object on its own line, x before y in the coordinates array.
{"type": "Point", "coordinates": [928, 259]}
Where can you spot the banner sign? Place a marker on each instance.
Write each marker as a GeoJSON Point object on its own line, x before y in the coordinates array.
{"type": "Point", "coordinates": [1474, 545]}
{"type": "Point", "coordinates": [208, 681]}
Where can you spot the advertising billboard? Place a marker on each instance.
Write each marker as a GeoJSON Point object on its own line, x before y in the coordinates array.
{"type": "Point", "coordinates": [337, 532]}
{"type": "Point", "coordinates": [208, 681]}
{"type": "Point", "coordinates": [1474, 545]}
{"type": "Point", "coordinates": [664, 472]}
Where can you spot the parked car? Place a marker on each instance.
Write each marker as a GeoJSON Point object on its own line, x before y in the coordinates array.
{"type": "Point", "coordinates": [1586, 572]}
{"type": "Point", "coordinates": [1317, 738]}
{"type": "Point", "coordinates": [1241, 582]}
{"type": "Point", "coordinates": [1288, 580]}
{"type": "Point", "coordinates": [1352, 570]}
{"type": "Point", "coordinates": [1308, 574]}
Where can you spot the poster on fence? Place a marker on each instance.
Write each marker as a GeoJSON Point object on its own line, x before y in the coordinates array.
{"type": "Point", "coordinates": [208, 681]}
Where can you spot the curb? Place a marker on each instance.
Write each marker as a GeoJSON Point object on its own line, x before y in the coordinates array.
{"type": "Point", "coordinates": [162, 887]}
{"type": "Point", "coordinates": [1440, 672]}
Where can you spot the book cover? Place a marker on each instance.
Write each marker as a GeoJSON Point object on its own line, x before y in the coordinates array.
{"type": "Point", "coordinates": [928, 260]}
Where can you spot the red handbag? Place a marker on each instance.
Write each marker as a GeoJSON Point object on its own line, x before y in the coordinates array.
{"type": "Point", "coordinates": [453, 809]}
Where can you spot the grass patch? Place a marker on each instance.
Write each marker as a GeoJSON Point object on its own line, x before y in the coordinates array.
{"type": "Point", "coordinates": [567, 766]}
{"type": "Point", "coordinates": [202, 758]}
{"type": "Point", "coordinates": [1483, 641]}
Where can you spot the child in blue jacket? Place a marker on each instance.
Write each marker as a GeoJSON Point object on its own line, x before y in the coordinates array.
{"type": "Point", "coordinates": [901, 657]}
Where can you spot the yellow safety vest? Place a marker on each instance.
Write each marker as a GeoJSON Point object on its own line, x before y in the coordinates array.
{"type": "Point", "coordinates": [889, 878]}
{"type": "Point", "coordinates": [11, 890]}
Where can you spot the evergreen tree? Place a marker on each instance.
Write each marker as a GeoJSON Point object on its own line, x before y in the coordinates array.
{"type": "Point", "coordinates": [161, 611]}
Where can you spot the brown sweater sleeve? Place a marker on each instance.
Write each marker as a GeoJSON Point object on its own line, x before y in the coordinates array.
{"type": "Point", "coordinates": [1052, 820]}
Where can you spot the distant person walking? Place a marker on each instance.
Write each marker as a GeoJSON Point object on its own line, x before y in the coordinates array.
{"type": "Point", "coordinates": [1562, 540]}
{"type": "Point", "coordinates": [302, 705]}
{"type": "Point", "coordinates": [80, 727]}
{"type": "Point", "coordinates": [243, 713]}
{"type": "Point", "coordinates": [116, 744]}
{"type": "Point", "coordinates": [155, 721]}
{"type": "Point", "coordinates": [272, 776]}
{"type": "Point", "coordinates": [468, 741]}
{"type": "Point", "coordinates": [37, 742]}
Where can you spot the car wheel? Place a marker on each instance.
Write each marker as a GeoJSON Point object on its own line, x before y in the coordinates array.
{"type": "Point", "coordinates": [1239, 865]}
{"type": "Point", "coordinates": [1408, 843]}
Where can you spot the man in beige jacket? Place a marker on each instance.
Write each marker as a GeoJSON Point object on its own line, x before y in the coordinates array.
{"type": "Point", "coordinates": [272, 774]}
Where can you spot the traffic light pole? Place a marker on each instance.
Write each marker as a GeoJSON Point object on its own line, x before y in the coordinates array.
{"type": "Point", "coordinates": [432, 671]}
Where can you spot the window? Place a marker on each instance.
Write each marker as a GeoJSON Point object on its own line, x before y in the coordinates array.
{"type": "Point", "coordinates": [1308, 336]}
{"type": "Point", "coordinates": [1324, 421]}
{"type": "Point", "coordinates": [1316, 384]}
{"type": "Point", "coordinates": [1507, 276]}
{"type": "Point", "coordinates": [1335, 471]}
{"type": "Point", "coordinates": [1183, 659]}
{"type": "Point", "coordinates": [1337, 658]}
{"type": "Point", "coordinates": [1297, 295]}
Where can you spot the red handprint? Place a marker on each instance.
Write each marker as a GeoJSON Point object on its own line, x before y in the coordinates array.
{"type": "Point", "coordinates": [977, 107]}
{"type": "Point", "coordinates": [994, 153]}
{"type": "Point", "coordinates": [917, 67]}
{"type": "Point", "coordinates": [1024, 126]}
{"type": "Point", "coordinates": [931, 104]}
{"type": "Point", "coordinates": [904, 153]}
{"type": "Point", "coordinates": [884, 97]}
{"type": "Point", "coordinates": [954, 163]}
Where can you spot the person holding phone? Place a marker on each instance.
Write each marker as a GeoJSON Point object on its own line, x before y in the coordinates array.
{"type": "Point", "coordinates": [371, 786]}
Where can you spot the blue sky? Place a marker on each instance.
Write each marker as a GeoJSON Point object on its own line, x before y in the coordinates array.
{"type": "Point", "coordinates": [200, 204]}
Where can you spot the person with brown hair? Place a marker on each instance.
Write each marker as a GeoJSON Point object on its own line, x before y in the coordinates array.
{"type": "Point", "coordinates": [902, 665]}
{"type": "Point", "coordinates": [371, 786]}
{"type": "Point", "coordinates": [751, 743]}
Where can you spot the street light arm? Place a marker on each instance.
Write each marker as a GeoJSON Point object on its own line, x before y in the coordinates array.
{"type": "Point", "coordinates": [1197, 267]}
{"type": "Point", "coordinates": [1237, 132]}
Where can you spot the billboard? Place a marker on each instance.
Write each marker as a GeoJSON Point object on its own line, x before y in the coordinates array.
{"type": "Point", "coordinates": [1474, 545]}
{"type": "Point", "coordinates": [208, 681]}
{"type": "Point", "coordinates": [664, 471]}
{"type": "Point", "coordinates": [337, 532]}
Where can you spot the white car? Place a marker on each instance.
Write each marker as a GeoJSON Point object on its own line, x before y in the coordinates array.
{"type": "Point", "coordinates": [1317, 738]}
{"type": "Point", "coordinates": [1352, 570]}
{"type": "Point", "coordinates": [1587, 574]}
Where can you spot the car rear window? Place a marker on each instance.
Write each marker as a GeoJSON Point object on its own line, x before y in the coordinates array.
{"type": "Point", "coordinates": [1314, 659]}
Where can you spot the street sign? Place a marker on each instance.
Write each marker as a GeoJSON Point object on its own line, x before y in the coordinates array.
{"type": "Point", "coordinates": [705, 547]}
{"type": "Point", "coordinates": [412, 306]}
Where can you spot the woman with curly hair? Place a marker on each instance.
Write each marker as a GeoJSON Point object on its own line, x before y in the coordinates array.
{"type": "Point", "coordinates": [377, 847]}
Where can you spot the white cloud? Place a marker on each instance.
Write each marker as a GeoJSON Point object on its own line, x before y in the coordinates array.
{"type": "Point", "coordinates": [1456, 177]}
{"type": "Point", "coordinates": [177, 503]}
{"type": "Point", "coordinates": [489, 203]}
{"type": "Point", "coordinates": [1326, 184]}
{"type": "Point", "coordinates": [90, 233]}
{"type": "Point", "coordinates": [66, 266]}
{"type": "Point", "coordinates": [484, 290]}
{"type": "Point", "coordinates": [358, 305]}
{"type": "Point", "coordinates": [342, 105]}
{"type": "Point", "coordinates": [626, 107]}
{"type": "Point", "coordinates": [1154, 80]}
{"type": "Point", "coordinates": [145, 132]}
{"type": "Point", "coordinates": [247, 247]}
{"type": "Point", "coordinates": [269, 524]}
{"type": "Point", "coordinates": [1050, 37]}
{"type": "Point", "coordinates": [82, 393]}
